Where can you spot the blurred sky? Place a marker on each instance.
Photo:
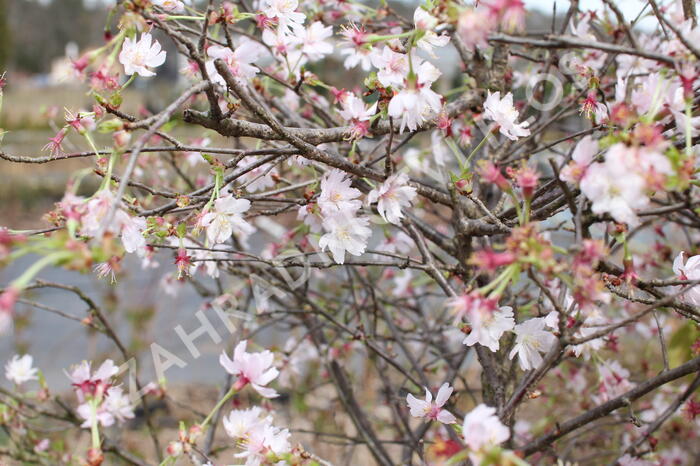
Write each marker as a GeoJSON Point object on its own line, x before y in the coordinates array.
{"type": "Point", "coordinates": [629, 8]}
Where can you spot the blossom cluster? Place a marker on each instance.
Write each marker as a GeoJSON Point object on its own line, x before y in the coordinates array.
{"type": "Point", "coordinates": [512, 219]}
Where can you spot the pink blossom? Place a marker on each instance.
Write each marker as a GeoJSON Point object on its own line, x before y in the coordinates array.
{"type": "Point", "coordinates": [511, 13]}
{"type": "Point", "coordinates": [426, 22]}
{"type": "Point", "coordinates": [226, 219]}
{"type": "Point", "coordinates": [505, 115]}
{"type": "Point", "coordinates": [462, 305]}
{"type": "Point", "coordinates": [345, 233]}
{"type": "Point", "coordinates": [8, 299]}
{"type": "Point", "coordinates": [488, 325]}
{"type": "Point", "coordinates": [87, 383]}
{"type": "Point", "coordinates": [19, 369]}
{"type": "Point", "coordinates": [688, 270]}
{"type": "Point", "coordinates": [356, 47]}
{"type": "Point", "coordinates": [530, 340]}
{"type": "Point", "coordinates": [393, 67]}
{"type": "Point", "coordinates": [582, 157]}
{"type": "Point", "coordinates": [358, 114]}
{"type": "Point", "coordinates": [337, 195]}
{"type": "Point", "coordinates": [393, 195]}
{"type": "Point", "coordinates": [618, 185]}
{"type": "Point", "coordinates": [482, 430]}
{"type": "Point", "coordinates": [313, 40]}
{"type": "Point", "coordinates": [55, 143]}
{"type": "Point", "coordinates": [94, 415]}
{"type": "Point", "coordinates": [142, 55]}
{"type": "Point", "coordinates": [430, 409]}
{"type": "Point", "coordinates": [171, 6]}
{"type": "Point", "coordinates": [239, 61]}
{"type": "Point", "coordinates": [255, 369]}
{"type": "Point", "coordinates": [474, 26]}
{"type": "Point", "coordinates": [241, 422]}
{"type": "Point", "coordinates": [285, 13]}
{"type": "Point", "coordinates": [417, 100]}
{"type": "Point", "coordinates": [132, 235]}
{"type": "Point", "coordinates": [118, 405]}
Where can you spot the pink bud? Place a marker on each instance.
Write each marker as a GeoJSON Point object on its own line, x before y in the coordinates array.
{"type": "Point", "coordinates": [8, 300]}
{"type": "Point", "coordinates": [121, 138]}
{"type": "Point", "coordinates": [491, 174]}
{"type": "Point", "coordinates": [174, 449]}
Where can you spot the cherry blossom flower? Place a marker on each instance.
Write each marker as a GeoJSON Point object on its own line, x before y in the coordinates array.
{"type": "Point", "coordinates": [474, 26]}
{"type": "Point", "coordinates": [118, 405]}
{"type": "Point", "coordinates": [688, 270]}
{"type": "Point", "coordinates": [139, 56]}
{"type": "Point", "coordinates": [617, 186]}
{"type": "Point", "coordinates": [356, 47]}
{"type": "Point", "coordinates": [132, 235]}
{"type": "Point", "coordinates": [417, 100]}
{"type": "Point", "coordinates": [311, 216]}
{"type": "Point", "coordinates": [87, 383]}
{"type": "Point", "coordinates": [582, 157]}
{"type": "Point", "coordinates": [282, 45]}
{"type": "Point", "coordinates": [8, 299]}
{"type": "Point", "coordinates": [505, 115]}
{"type": "Point", "coordinates": [489, 260]}
{"type": "Point", "coordinates": [392, 196]}
{"type": "Point", "coordinates": [591, 325]}
{"type": "Point", "coordinates": [461, 306]}
{"type": "Point", "coordinates": [511, 13]}
{"type": "Point", "coordinates": [284, 11]}
{"type": "Point", "coordinates": [55, 145]}
{"type": "Point", "coordinates": [614, 381]}
{"type": "Point", "coordinates": [313, 40]}
{"type": "Point", "coordinates": [430, 409]}
{"type": "Point", "coordinates": [255, 369]}
{"type": "Point", "coordinates": [345, 234]}
{"type": "Point", "coordinates": [226, 219]}
{"type": "Point", "coordinates": [238, 61]}
{"type": "Point", "coordinates": [426, 22]}
{"type": "Point", "coordinates": [393, 67]}
{"type": "Point", "coordinates": [591, 106]}
{"type": "Point", "coordinates": [262, 440]}
{"type": "Point", "coordinates": [358, 114]}
{"type": "Point", "coordinates": [488, 325]}
{"type": "Point", "coordinates": [240, 422]}
{"type": "Point", "coordinates": [94, 415]}
{"type": "Point", "coordinates": [19, 369]}
{"type": "Point", "coordinates": [530, 340]}
{"type": "Point", "coordinates": [96, 212]}
{"type": "Point", "coordinates": [482, 430]}
{"type": "Point", "coordinates": [337, 195]}
{"type": "Point", "coordinates": [171, 6]}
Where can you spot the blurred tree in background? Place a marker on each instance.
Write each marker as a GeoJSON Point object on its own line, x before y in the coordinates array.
{"type": "Point", "coordinates": [38, 33]}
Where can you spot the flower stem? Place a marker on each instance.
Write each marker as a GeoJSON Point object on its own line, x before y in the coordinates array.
{"type": "Point", "coordinates": [94, 431]}
{"type": "Point", "coordinates": [129, 81]}
{"type": "Point", "coordinates": [377, 38]}
{"type": "Point", "coordinates": [36, 267]}
{"type": "Point", "coordinates": [478, 146]}
{"type": "Point", "coordinates": [218, 406]}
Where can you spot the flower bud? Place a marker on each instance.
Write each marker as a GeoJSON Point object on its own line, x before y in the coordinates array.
{"type": "Point", "coordinates": [95, 457]}
{"type": "Point", "coordinates": [121, 139]}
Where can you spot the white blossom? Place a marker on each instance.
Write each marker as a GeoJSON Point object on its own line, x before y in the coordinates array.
{"type": "Point", "coordinates": [142, 55]}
